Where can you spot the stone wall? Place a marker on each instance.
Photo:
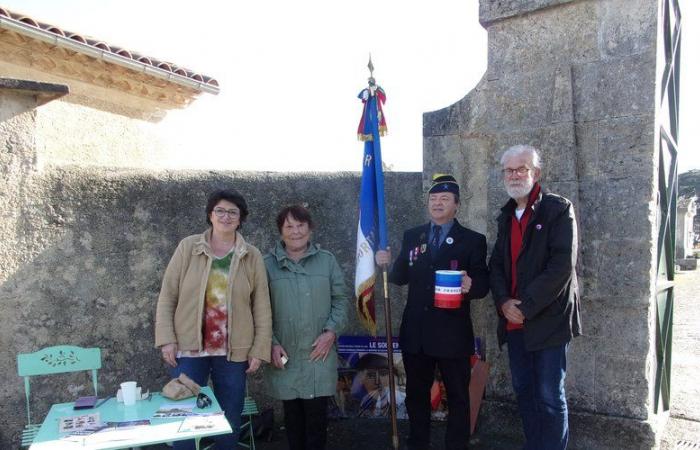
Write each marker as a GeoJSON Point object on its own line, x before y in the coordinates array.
{"type": "Point", "coordinates": [576, 79]}
{"type": "Point", "coordinates": [83, 251]}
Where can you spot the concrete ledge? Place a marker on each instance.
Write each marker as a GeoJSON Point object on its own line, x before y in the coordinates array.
{"type": "Point", "coordinates": [44, 92]}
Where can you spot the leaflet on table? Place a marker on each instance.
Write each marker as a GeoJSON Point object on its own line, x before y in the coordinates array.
{"type": "Point", "coordinates": [179, 409]}
{"type": "Point", "coordinates": [107, 426]}
{"type": "Point", "coordinates": [201, 422]}
{"type": "Point", "coordinates": [78, 423]}
{"type": "Point", "coordinates": [114, 435]}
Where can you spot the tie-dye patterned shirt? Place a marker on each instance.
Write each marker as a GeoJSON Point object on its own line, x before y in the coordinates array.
{"type": "Point", "coordinates": [215, 330]}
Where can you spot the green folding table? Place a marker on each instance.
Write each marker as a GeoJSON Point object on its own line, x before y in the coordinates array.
{"type": "Point", "coordinates": [159, 430]}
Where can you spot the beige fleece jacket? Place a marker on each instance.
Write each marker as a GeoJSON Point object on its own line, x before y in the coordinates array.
{"type": "Point", "coordinates": [180, 308]}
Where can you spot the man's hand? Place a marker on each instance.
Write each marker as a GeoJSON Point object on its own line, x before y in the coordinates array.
{"type": "Point", "coordinates": [169, 353]}
{"type": "Point", "coordinates": [383, 257]}
{"type": "Point", "coordinates": [466, 282]}
{"type": "Point", "coordinates": [322, 345]}
{"type": "Point", "coordinates": [277, 353]}
{"type": "Point", "coordinates": [511, 311]}
{"type": "Point", "coordinates": [253, 364]}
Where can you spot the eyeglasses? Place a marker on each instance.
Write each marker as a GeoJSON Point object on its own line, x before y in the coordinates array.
{"type": "Point", "coordinates": [221, 212]}
{"type": "Point", "coordinates": [520, 171]}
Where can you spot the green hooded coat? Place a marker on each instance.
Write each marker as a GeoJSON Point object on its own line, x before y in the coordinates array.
{"type": "Point", "coordinates": [307, 297]}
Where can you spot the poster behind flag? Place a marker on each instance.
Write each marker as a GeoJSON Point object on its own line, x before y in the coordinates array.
{"type": "Point", "coordinates": [363, 379]}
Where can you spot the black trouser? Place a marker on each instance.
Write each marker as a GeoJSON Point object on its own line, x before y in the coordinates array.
{"type": "Point", "coordinates": [306, 422]}
{"type": "Point", "coordinates": [420, 372]}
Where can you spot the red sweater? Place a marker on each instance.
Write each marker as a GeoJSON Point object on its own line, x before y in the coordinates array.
{"type": "Point", "coordinates": [517, 231]}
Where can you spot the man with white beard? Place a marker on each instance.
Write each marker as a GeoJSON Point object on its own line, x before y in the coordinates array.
{"type": "Point", "coordinates": [534, 287]}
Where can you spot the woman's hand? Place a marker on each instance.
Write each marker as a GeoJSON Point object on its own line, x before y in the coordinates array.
{"type": "Point", "coordinates": [322, 345]}
{"type": "Point", "coordinates": [277, 353]}
{"type": "Point", "coordinates": [169, 353]}
{"type": "Point", "coordinates": [253, 364]}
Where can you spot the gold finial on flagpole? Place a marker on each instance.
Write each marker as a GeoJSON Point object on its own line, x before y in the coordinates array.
{"type": "Point", "coordinates": [370, 66]}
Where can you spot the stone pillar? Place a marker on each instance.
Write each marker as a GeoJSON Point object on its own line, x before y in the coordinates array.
{"type": "Point", "coordinates": [577, 80]}
{"type": "Point", "coordinates": [685, 216]}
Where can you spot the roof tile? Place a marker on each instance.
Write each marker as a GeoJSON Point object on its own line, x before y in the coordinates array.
{"type": "Point", "coordinates": [100, 45]}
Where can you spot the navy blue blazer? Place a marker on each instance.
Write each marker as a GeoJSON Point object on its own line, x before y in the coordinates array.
{"type": "Point", "coordinates": [438, 332]}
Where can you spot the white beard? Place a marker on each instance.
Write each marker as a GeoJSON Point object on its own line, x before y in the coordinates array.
{"type": "Point", "coordinates": [521, 190]}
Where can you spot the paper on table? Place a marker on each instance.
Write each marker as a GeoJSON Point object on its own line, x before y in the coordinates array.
{"type": "Point", "coordinates": [201, 422]}
{"type": "Point", "coordinates": [78, 423]}
{"type": "Point", "coordinates": [155, 432]}
{"type": "Point", "coordinates": [115, 434]}
{"type": "Point", "coordinates": [181, 409]}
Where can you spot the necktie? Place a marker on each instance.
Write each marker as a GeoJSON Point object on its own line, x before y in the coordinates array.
{"type": "Point", "coordinates": [435, 243]}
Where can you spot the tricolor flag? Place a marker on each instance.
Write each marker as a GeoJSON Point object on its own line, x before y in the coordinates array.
{"type": "Point", "coordinates": [371, 228]}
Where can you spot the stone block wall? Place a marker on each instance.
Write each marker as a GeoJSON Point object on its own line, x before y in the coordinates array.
{"type": "Point", "coordinates": [577, 80]}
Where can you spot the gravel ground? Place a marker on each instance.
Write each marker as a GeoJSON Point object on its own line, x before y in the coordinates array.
{"type": "Point", "coordinates": [684, 422]}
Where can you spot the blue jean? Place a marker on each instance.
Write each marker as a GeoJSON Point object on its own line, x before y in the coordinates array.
{"type": "Point", "coordinates": [228, 379]}
{"type": "Point", "coordinates": [538, 382]}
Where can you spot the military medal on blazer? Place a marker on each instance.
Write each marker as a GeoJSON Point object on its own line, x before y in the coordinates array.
{"type": "Point", "coordinates": [421, 252]}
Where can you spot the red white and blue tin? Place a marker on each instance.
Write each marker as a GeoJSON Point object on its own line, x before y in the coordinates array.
{"type": "Point", "coordinates": [448, 289]}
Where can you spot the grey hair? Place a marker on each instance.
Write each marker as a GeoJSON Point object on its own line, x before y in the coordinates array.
{"type": "Point", "coordinates": [521, 149]}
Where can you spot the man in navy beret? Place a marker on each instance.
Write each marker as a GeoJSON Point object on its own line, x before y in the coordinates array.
{"type": "Point", "coordinates": [432, 336]}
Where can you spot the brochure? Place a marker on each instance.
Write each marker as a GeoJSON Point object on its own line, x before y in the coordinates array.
{"type": "Point", "coordinates": [78, 423]}
{"type": "Point", "coordinates": [200, 422]}
{"type": "Point", "coordinates": [180, 409]}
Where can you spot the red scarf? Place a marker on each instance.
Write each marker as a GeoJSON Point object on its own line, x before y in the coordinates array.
{"type": "Point", "coordinates": [517, 231]}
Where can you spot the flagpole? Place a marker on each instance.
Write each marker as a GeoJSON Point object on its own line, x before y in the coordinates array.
{"type": "Point", "coordinates": [390, 358]}
{"type": "Point", "coordinates": [383, 246]}
{"type": "Point", "coordinates": [372, 230]}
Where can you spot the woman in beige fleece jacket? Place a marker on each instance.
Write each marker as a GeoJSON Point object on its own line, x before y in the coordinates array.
{"type": "Point", "coordinates": [213, 316]}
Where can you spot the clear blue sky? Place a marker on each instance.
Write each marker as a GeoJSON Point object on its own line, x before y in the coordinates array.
{"type": "Point", "coordinates": [313, 54]}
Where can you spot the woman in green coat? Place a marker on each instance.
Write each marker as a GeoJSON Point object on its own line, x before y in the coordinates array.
{"type": "Point", "coordinates": [309, 310]}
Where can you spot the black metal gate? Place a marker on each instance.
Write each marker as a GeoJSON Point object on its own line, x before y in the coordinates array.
{"type": "Point", "coordinates": [667, 123]}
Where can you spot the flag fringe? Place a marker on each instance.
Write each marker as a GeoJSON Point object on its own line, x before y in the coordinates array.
{"type": "Point", "coordinates": [365, 305]}
{"type": "Point", "coordinates": [368, 137]}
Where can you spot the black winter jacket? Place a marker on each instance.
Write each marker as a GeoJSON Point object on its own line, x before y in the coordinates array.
{"type": "Point", "coordinates": [546, 269]}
